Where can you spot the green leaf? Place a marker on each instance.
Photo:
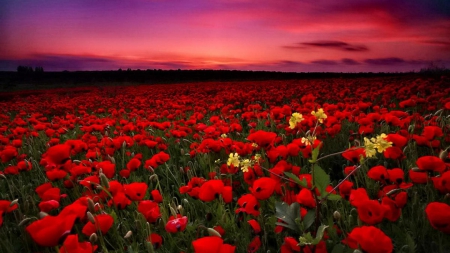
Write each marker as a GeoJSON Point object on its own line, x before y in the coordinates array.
{"type": "Point", "coordinates": [309, 218]}
{"type": "Point", "coordinates": [334, 197]}
{"type": "Point", "coordinates": [321, 179]}
{"type": "Point", "coordinates": [338, 248]}
{"type": "Point", "coordinates": [288, 214]}
{"type": "Point", "coordinates": [319, 234]}
{"type": "Point", "coordinates": [295, 178]}
{"type": "Point", "coordinates": [315, 154]}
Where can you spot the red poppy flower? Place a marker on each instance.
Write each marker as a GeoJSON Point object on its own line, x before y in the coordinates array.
{"type": "Point", "coordinates": [178, 224]}
{"type": "Point", "coordinates": [392, 212]}
{"type": "Point", "coordinates": [254, 245]}
{"type": "Point", "coordinates": [108, 168]}
{"type": "Point", "coordinates": [431, 163]}
{"type": "Point", "coordinates": [150, 210]}
{"type": "Point", "coordinates": [156, 240]}
{"type": "Point", "coordinates": [358, 196]}
{"type": "Point", "coordinates": [156, 196]}
{"type": "Point", "coordinates": [418, 177]}
{"type": "Point", "coordinates": [133, 164]}
{"type": "Point", "coordinates": [438, 215]}
{"type": "Point", "coordinates": [47, 206]}
{"type": "Point", "coordinates": [248, 204]}
{"type": "Point", "coordinates": [210, 190]}
{"type": "Point", "coordinates": [354, 154]}
{"type": "Point", "coordinates": [263, 188]}
{"type": "Point", "coordinates": [103, 222]}
{"type": "Point", "coordinates": [72, 245]}
{"type": "Point", "coordinates": [306, 198]}
{"type": "Point", "coordinates": [51, 229]}
{"type": "Point", "coordinates": [5, 207]}
{"type": "Point", "coordinates": [227, 194]}
{"type": "Point", "coordinates": [371, 212]}
{"type": "Point", "coordinates": [432, 132]}
{"type": "Point", "coordinates": [290, 245]}
{"type": "Point", "coordinates": [119, 200]}
{"type": "Point", "coordinates": [212, 244]}
{"type": "Point", "coordinates": [345, 189]}
{"type": "Point", "coordinates": [378, 173]}
{"type": "Point", "coordinates": [396, 175]}
{"type": "Point", "coordinates": [262, 138]}
{"type": "Point", "coordinates": [255, 226]}
{"type": "Point", "coordinates": [135, 191]}
{"type": "Point", "coordinates": [370, 239]}
{"type": "Point", "coordinates": [56, 155]}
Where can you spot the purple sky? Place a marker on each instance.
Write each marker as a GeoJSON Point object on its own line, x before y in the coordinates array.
{"type": "Point", "coordinates": [274, 35]}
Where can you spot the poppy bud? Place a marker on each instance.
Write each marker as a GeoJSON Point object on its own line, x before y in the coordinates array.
{"type": "Point", "coordinates": [90, 217]}
{"type": "Point", "coordinates": [416, 169]}
{"type": "Point", "coordinates": [153, 178]}
{"type": "Point", "coordinates": [91, 205]}
{"type": "Point", "coordinates": [128, 234]}
{"type": "Point", "coordinates": [14, 202]}
{"type": "Point", "coordinates": [213, 232]}
{"type": "Point", "coordinates": [42, 215]}
{"type": "Point", "coordinates": [447, 196]}
{"type": "Point", "coordinates": [444, 155]}
{"type": "Point", "coordinates": [93, 238]}
{"type": "Point", "coordinates": [182, 151]}
{"type": "Point", "coordinates": [337, 215]}
{"type": "Point", "coordinates": [357, 251]}
{"type": "Point", "coordinates": [104, 180]}
{"type": "Point", "coordinates": [3, 176]}
{"type": "Point", "coordinates": [24, 221]}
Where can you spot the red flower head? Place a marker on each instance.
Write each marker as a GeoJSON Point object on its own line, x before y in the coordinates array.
{"type": "Point", "coordinates": [56, 156]}
{"type": "Point", "coordinates": [431, 163]}
{"type": "Point", "coordinates": [262, 138]}
{"type": "Point", "coordinates": [156, 240]}
{"type": "Point", "coordinates": [371, 212]}
{"type": "Point", "coordinates": [254, 245]}
{"type": "Point", "coordinates": [210, 190]}
{"type": "Point", "coordinates": [103, 222]}
{"type": "Point", "coordinates": [156, 196]}
{"type": "Point", "coordinates": [263, 188]}
{"type": "Point", "coordinates": [71, 245]}
{"type": "Point", "coordinates": [50, 230]}
{"type": "Point", "coordinates": [439, 216]}
{"type": "Point", "coordinates": [135, 191]}
{"type": "Point", "coordinates": [354, 154]}
{"type": "Point", "coordinates": [212, 244]}
{"type": "Point", "coordinates": [255, 226]}
{"type": "Point", "coordinates": [178, 224]}
{"type": "Point", "coordinates": [378, 173]}
{"type": "Point", "coordinates": [248, 204]}
{"type": "Point", "coordinates": [345, 189]}
{"type": "Point", "coordinates": [5, 207]}
{"type": "Point", "coordinates": [305, 197]}
{"type": "Point", "coordinates": [290, 245]}
{"type": "Point", "coordinates": [358, 196]}
{"type": "Point", "coordinates": [396, 175]}
{"type": "Point", "coordinates": [370, 239]}
{"type": "Point", "coordinates": [150, 210]}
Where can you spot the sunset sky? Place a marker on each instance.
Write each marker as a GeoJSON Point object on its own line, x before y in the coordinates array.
{"type": "Point", "coordinates": [273, 35]}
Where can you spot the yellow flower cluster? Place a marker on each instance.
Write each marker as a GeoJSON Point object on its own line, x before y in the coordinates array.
{"type": "Point", "coordinates": [234, 159]}
{"type": "Point", "coordinates": [295, 119]}
{"type": "Point", "coordinates": [320, 115]}
{"type": "Point", "coordinates": [379, 144]}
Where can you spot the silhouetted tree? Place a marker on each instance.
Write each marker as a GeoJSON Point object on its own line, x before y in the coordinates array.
{"type": "Point", "coordinates": [24, 69]}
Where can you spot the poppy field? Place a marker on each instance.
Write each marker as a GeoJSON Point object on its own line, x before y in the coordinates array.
{"type": "Point", "coordinates": [322, 165]}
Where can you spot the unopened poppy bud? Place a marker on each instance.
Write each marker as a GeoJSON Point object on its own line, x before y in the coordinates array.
{"type": "Point", "coordinates": [124, 144]}
{"type": "Point", "coordinates": [104, 180]}
{"type": "Point", "coordinates": [93, 238]}
{"type": "Point", "coordinates": [24, 221]}
{"type": "Point", "coordinates": [153, 178]}
{"type": "Point", "coordinates": [213, 232]}
{"type": "Point", "coordinates": [416, 169]}
{"type": "Point", "coordinates": [337, 215]}
{"type": "Point", "coordinates": [42, 215]}
{"type": "Point", "coordinates": [172, 210]}
{"type": "Point", "coordinates": [128, 234]}
{"type": "Point", "coordinates": [91, 205]}
{"type": "Point", "coordinates": [14, 202]}
{"type": "Point", "coordinates": [112, 159]}
{"type": "Point", "coordinates": [182, 151]}
{"type": "Point", "coordinates": [3, 176]}
{"type": "Point", "coordinates": [185, 201]}
{"type": "Point", "coordinates": [90, 217]}
{"type": "Point", "coordinates": [106, 133]}
{"type": "Point", "coordinates": [447, 196]}
{"type": "Point", "coordinates": [357, 251]}
{"type": "Point", "coordinates": [444, 155]}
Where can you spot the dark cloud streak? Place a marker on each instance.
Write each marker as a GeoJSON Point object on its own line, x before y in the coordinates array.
{"type": "Point", "coordinates": [332, 44]}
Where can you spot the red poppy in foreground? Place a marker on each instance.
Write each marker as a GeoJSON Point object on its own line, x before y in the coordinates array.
{"type": "Point", "coordinates": [439, 216]}
{"type": "Point", "coordinates": [71, 245]}
{"type": "Point", "coordinates": [103, 222]}
{"type": "Point", "coordinates": [51, 229]}
{"type": "Point", "coordinates": [431, 163]}
{"type": "Point", "coordinates": [156, 240]}
{"type": "Point", "coordinates": [5, 207]}
{"type": "Point", "coordinates": [178, 224]}
{"type": "Point", "coordinates": [370, 239]}
{"type": "Point", "coordinates": [212, 244]}
{"type": "Point", "coordinates": [263, 188]}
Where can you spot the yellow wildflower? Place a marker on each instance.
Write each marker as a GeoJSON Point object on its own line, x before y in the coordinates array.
{"type": "Point", "coordinates": [295, 119]}
{"type": "Point", "coordinates": [233, 159]}
{"type": "Point", "coordinates": [381, 144]}
{"type": "Point", "coordinates": [223, 135]}
{"type": "Point", "coordinates": [320, 115]}
{"type": "Point", "coordinates": [245, 165]}
{"type": "Point", "coordinates": [257, 158]}
{"type": "Point", "coordinates": [369, 146]}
